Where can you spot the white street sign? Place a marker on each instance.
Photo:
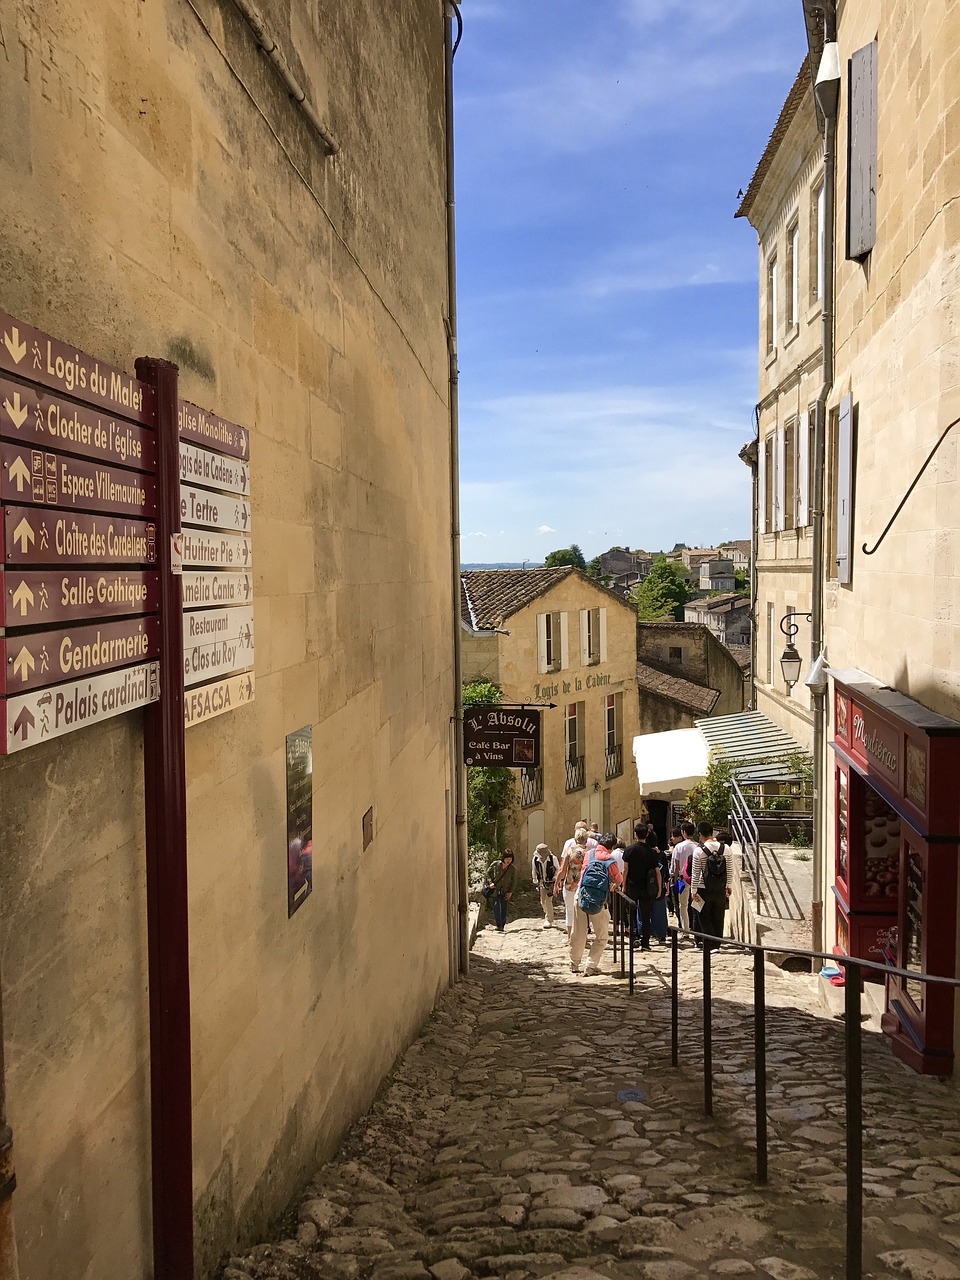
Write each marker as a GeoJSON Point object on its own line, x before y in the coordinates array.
{"type": "Point", "coordinates": [214, 510]}
{"type": "Point", "coordinates": [216, 642]}
{"type": "Point", "coordinates": [206, 588]}
{"type": "Point", "coordinates": [216, 470]}
{"type": "Point", "coordinates": [50, 713]}
{"type": "Point", "coordinates": [209, 700]}
{"type": "Point", "coordinates": [216, 550]}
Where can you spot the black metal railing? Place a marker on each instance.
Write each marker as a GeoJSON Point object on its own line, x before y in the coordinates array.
{"type": "Point", "coordinates": [575, 773]}
{"type": "Point", "coordinates": [614, 761]}
{"type": "Point", "coordinates": [531, 786]}
{"type": "Point", "coordinates": [623, 916]}
{"type": "Point", "coordinates": [853, 1058]}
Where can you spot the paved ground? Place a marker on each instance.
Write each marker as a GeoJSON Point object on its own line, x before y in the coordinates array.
{"type": "Point", "coordinates": [536, 1128]}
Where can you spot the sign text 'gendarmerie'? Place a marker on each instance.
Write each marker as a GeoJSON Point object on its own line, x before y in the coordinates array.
{"type": "Point", "coordinates": [37, 658]}
{"type": "Point", "coordinates": [508, 737]}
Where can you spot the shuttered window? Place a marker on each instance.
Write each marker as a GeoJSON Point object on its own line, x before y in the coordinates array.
{"type": "Point", "coordinates": [773, 305]}
{"type": "Point", "coordinates": [793, 277]}
{"type": "Point", "coordinates": [803, 470]}
{"type": "Point", "coordinates": [844, 491]}
{"type": "Point", "coordinates": [780, 478]}
{"type": "Point", "coordinates": [862, 152]}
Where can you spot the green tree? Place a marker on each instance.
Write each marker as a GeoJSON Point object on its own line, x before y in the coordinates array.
{"type": "Point", "coordinates": [490, 791]}
{"type": "Point", "coordinates": [709, 800]}
{"type": "Point", "coordinates": [566, 555]}
{"type": "Point", "coordinates": [663, 592]}
{"type": "Point", "coordinates": [594, 571]}
{"type": "Point", "coordinates": [741, 579]}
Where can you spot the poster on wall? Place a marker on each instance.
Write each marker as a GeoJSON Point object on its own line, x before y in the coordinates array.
{"type": "Point", "coordinates": [299, 818]}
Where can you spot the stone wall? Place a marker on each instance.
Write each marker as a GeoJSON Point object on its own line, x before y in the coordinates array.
{"type": "Point", "coordinates": [148, 207]}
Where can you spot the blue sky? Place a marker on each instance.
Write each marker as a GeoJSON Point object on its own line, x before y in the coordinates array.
{"type": "Point", "coordinates": [607, 297]}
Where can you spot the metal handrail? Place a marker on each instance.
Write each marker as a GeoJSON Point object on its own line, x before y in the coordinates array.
{"type": "Point", "coordinates": [853, 1054]}
{"type": "Point", "coordinates": [745, 832]}
{"type": "Point", "coordinates": [624, 916]}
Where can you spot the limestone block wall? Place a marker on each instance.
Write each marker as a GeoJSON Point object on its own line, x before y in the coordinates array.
{"type": "Point", "coordinates": [149, 205]}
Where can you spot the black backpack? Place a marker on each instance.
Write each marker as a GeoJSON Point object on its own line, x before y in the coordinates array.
{"type": "Point", "coordinates": [714, 870]}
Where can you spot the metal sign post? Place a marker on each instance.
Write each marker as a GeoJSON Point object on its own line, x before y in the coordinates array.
{"type": "Point", "coordinates": [165, 804]}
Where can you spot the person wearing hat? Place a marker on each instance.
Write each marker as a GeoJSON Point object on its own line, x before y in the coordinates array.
{"type": "Point", "coordinates": [543, 873]}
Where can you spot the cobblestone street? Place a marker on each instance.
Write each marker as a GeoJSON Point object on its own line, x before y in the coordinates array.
{"type": "Point", "coordinates": [536, 1128]}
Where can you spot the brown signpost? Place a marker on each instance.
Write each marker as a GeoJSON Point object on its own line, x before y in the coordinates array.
{"type": "Point", "coordinates": [40, 537]}
{"type": "Point", "coordinates": [42, 478]}
{"type": "Point", "coordinates": [31, 598]}
{"type": "Point", "coordinates": [35, 659]}
{"type": "Point", "coordinates": [32, 416]}
{"type": "Point", "coordinates": [35, 356]}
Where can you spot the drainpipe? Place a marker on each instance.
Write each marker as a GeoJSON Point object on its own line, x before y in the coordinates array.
{"type": "Point", "coordinates": [827, 92]}
{"type": "Point", "coordinates": [452, 18]}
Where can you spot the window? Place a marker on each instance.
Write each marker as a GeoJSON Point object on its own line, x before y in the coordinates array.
{"type": "Point", "coordinates": [593, 636]}
{"type": "Point", "coordinates": [769, 474]}
{"type": "Point", "coordinates": [789, 474]}
{"type": "Point", "coordinates": [818, 243]}
{"type": "Point", "coordinates": [793, 276]}
{"type": "Point", "coordinates": [573, 733]}
{"type": "Point", "coordinates": [613, 720]}
{"type": "Point", "coordinates": [675, 653]}
{"type": "Point", "coordinates": [772, 305]}
{"type": "Point", "coordinates": [551, 642]}
{"type": "Point", "coordinates": [804, 453]}
{"type": "Point", "coordinates": [844, 489]}
{"type": "Point", "coordinates": [862, 152]}
{"type": "Point", "coordinates": [771, 644]}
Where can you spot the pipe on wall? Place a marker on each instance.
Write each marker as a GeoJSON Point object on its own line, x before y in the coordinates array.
{"type": "Point", "coordinates": [254, 20]}
{"type": "Point", "coordinates": [452, 18]}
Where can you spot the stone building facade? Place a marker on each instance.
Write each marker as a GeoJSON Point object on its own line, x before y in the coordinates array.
{"type": "Point", "coordinates": [556, 636]}
{"type": "Point", "coordinates": [162, 194]}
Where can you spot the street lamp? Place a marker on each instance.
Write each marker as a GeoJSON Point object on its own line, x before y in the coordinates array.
{"type": "Point", "coordinates": [790, 659]}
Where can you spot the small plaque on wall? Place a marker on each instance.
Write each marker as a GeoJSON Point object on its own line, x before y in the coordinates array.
{"type": "Point", "coordinates": [299, 752]}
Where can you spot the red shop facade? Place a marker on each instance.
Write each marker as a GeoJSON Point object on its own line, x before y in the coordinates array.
{"type": "Point", "coordinates": [896, 852]}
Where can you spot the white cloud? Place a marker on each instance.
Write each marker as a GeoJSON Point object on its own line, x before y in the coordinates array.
{"type": "Point", "coordinates": [545, 528]}
{"type": "Point", "coordinates": [477, 535]}
{"type": "Point", "coordinates": [659, 265]}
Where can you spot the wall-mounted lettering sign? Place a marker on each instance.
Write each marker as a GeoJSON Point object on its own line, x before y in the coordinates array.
{"type": "Point", "coordinates": [505, 736]}
{"type": "Point", "coordinates": [299, 749]}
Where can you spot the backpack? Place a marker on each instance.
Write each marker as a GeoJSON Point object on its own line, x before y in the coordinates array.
{"type": "Point", "coordinates": [714, 870]}
{"type": "Point", "coordinates": [653, 886]}
{"type": "Point", "coordinates": [594, 885]}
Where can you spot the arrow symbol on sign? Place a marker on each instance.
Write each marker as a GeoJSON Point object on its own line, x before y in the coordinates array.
{"type": "Point", "coordinates": [18, 471]}
{"type": "Point", "coordinates": [23, 664]}
{"type": "Point", "coordinates": [245, 551]}
{"type": "Point", "coordinates": [22, 597]}
{"type": "Point", "coordinates": [17, 412]}
{"type": "Point", "coordinates": [23, 721]}
{"type": "Point", "coordinates": [13, 344]}
{"type": "Point", "coordinates": [246, 588]}
{"type": "Point", "coordinates": [23, 534]}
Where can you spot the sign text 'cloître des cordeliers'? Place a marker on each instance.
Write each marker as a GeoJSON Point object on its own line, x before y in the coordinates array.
{"type": "Point", "coordinates": [78, 545]}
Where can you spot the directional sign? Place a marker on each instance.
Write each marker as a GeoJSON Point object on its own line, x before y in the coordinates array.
{"type": "Point", "coordinates": [54, 480]}
{"type": "Point", "coordinates": [38, 536]}
{"type": "Point", "coordinates": [48, 713]}
{"type": "Point", "coordinates": [217, 550]}
{"type": "Point", "coordinates": [32, 354]}
{"type": "Point", "coordinates": [204, 467]}
{"type": "Point", "coordinates": [205, 588]}
{"type": "Point", "coordinates": [32, 416]}
{"type": "Point", "coordinates": [216, 642]}
{"type": "Point", "coordinates": [209, 700]}
{"type": "Point", "coordinates": [215, 510]}
{"type": "Point", "coordinates": [37, 658]}
{"type": "Point", "coordinates": [202, 427]}
{"type": "Point", "coordinates": [29, 598]}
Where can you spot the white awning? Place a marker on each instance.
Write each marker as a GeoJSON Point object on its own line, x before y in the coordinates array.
{"type": "Point", "coordinates": [671, 761]}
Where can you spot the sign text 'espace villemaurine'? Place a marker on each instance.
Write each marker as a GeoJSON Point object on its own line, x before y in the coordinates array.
{"type": "Point", "coordinates": [504, 736]}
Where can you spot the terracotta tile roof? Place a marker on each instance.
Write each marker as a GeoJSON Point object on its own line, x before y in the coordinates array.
{"type": "Point", "coordinates": [741, 653]}
{"type": "Point", "coordinates": [720, 604]}
{"type": "Point", "coordinates": [696, 698]}
{"type": "Point", "coordinates": [795, 97]}
{"type": "Point", "coordinates": [489, 596]}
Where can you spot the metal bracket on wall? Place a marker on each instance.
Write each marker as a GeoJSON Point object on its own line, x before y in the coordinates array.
{"type": "Point", "coordinates": [913, 484]}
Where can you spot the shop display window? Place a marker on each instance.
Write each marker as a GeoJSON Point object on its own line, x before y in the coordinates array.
{"type": "Point", "coordinates": [868, 840]}
{"type": "Point", "coordinates": [911, 934]}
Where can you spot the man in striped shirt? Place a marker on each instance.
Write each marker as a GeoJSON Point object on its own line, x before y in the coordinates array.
{"type": "Point", "coordinates": [711, 888]}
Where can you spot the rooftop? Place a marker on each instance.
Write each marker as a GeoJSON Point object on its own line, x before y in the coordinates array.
{"type": "Point", "coordinates": [696, 698]}
{"type": "Point", "coordinates": [489, 596]}
{"type": "Point", "coordinates": [784, 120]}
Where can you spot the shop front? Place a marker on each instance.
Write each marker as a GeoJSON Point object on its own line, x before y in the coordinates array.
{"type": "Point", "coordinates": [896, 846]}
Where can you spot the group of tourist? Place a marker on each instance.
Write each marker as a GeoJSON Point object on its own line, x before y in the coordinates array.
{"type": "Point", "coordinates": [691, 879]}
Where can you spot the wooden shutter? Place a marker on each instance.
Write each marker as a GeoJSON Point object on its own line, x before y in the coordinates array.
{"type": "Point", "coordinates": [584, 637]}
{"type": "Point", "coordinates": [845, 491]}
{"type": "Point", "coordinates": [779, 478]}
{"type": "Point", "coordinates": [762, 486]}
{"type": "Point", "coordinates": [541, 642]}
{"type": "Point", "coordinates": [564, 654]}
{"type": "Point", "coordinates": [603, 634]}
{"type": "Point", "coordinates": [803, 471]}
{"type": "Point", "coordinates": [862, 152]}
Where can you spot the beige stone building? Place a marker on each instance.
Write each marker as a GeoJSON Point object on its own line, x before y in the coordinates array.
{"type": "Point", "coordinates": [556, 636]}
{"type": "Point", "coordinates": [164, 193]}
{"type": "Point", "coordinates": [785, 206]}
{"type": "Point", "coordinates": [886, 865]}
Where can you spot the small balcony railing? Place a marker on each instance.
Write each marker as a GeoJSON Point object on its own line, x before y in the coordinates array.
{"type": "Point", "coordinates": [575, 773]}
{"type": "Point", "coordinates": [614, 761]}
{"type": "Point", "coordinates": [531, 787]}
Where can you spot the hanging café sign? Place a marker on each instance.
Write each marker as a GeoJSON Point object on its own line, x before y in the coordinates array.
{"type": "Point", "coordinates": [504, 736]}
